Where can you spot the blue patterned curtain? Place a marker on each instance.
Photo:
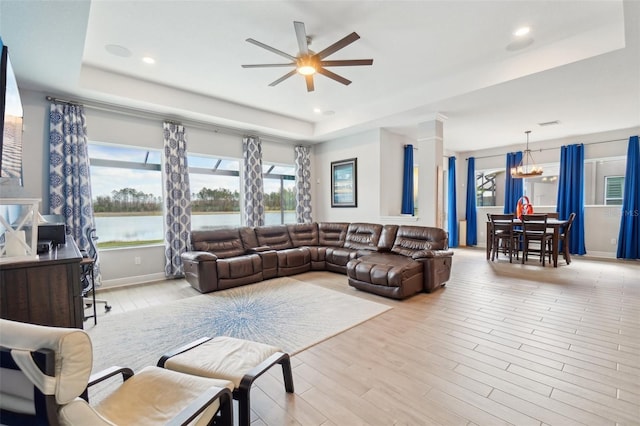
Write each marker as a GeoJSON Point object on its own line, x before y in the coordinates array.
{"type": "Point", "coordinates": [407, 181]}
{"type": "Point", "coordinates": [451, 201]}
{"type": "Point", "coordinates": [471, 211]}
{"type": "Point", "coordinates": [253, 184]}
{"type": "Point", "coordinates": [176, 194]}
{"type": "Point", "coordinates": [571, 194]}
{"type": "Point", "coordinates": [303, 184]}
{"type": "Point", "coordinates": [629, 237]}
{"type": "Point", "coordinates": [513, 188]}
{"type": "Point", "coordinates": [69, 176]}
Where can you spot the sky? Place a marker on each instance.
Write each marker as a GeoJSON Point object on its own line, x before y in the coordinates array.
{"type": "Point", "coordinates": [104, 180]}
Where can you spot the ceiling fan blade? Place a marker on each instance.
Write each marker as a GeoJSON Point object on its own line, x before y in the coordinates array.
{"type": "Point", "coordinates": [333, 76]}
{"type": "Point", "coordinates": [338, 45]}
{"type": "Point", "coordinates": [301, 35]}
{"type": "Point", "coordinates": [346, 63]}
{"type": "Point", "coordinates": [292, 64]}
{"type": "Point", "coordinates": [283, 78]}
{"type": "Point", "coordinates": [271, 49]}
{"type": "Point", "coordinates": [309, 79]}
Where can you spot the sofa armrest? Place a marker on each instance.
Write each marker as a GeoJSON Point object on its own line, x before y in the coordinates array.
{"type": "Point", "coordinates": [428, 254]}
{"type": "Point", "coordinates": [197, 256]}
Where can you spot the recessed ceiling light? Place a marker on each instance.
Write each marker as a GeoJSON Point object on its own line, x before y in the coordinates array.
{"type": "Point", "coordinates": [317, 110]}
{"type": "Point", "coordinates": [148, 60]}
{"type": "Point", "coordinates": [117, 50]}
{"type": "Point", "coordinates": [522, 31]}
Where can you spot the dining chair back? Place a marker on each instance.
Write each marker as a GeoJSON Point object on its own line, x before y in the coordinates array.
{"type": "Point", "coordinates": [503, 236]}
{"type": "Point", "coordinates": [534, 229]}
{"type": "Point", "coordinates": [564, 236]}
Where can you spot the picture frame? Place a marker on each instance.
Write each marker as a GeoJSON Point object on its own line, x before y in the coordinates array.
{"type": "Point", "coordinates": [344, 183]}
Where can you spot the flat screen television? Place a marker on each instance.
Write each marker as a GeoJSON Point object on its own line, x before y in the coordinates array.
{"type": "Point", "coordinates": [10, 123]}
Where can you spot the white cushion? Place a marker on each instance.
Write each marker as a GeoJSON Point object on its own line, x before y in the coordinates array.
{"type": "Point", "coordinates": [72, 346]}
{"type": "Point", "coordinates": [79, 413]}
{"type": "Point", "coordinates": [222, 357]}
{"type": "Point", "coordinates": [156, 395]}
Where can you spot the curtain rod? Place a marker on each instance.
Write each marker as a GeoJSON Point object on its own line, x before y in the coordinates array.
{"type": "Point", "coordinates": [549, 149]}
{"type": "Point", "coordinates": [138, 113]}
{"type": "Point", "coordinates": [62, 101]}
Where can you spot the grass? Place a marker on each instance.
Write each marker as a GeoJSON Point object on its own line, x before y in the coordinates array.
{"type": "Point", "coordinates": [121, 244]}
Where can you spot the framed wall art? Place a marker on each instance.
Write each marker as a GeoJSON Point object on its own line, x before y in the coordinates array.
{"type": "Point", "coordinates": [344, 183]}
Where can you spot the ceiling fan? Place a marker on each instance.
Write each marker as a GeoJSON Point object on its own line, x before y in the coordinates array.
{"type": "Point", "coordinates": [308, 62]}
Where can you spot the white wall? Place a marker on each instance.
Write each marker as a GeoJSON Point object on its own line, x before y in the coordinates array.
{"type": "Point", "coordinates": [366, 148]}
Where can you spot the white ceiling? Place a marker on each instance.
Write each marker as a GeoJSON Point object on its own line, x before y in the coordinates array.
{"type": "Point", "coordinates": [456, 58]}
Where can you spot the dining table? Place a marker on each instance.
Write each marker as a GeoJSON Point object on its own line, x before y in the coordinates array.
{"type": "Point", "coordinates": [555, 224]}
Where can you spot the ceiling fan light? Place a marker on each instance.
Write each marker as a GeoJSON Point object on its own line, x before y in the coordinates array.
{"type": "Point", "coordinates": [306, 70]}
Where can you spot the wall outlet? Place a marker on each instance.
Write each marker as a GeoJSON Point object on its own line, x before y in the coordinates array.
{"type": "Point", "coordinates": [614, 241]}
{"type": "Point", "coordinates": [137, 260]}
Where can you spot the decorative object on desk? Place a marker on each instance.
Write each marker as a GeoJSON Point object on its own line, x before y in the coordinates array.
{"type": "Point", "coordinates": [524, 206]}
{"type": "Point", "coordinates": [18, 216]}
{"type": "Point", "coordinates": [527, 167]}
{"type": "Point", "coordinates": [344, 183]}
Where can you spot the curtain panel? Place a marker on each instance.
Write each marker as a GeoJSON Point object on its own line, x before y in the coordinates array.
{"type": "Point", "coordinates": [253, 182]}
{"type": "Point", "coordinates": [176, 194]}
{"type": "Point", "coordinates": [471, 213]}
{"type": "Point", "coordinates": [303, 184]}
{"type": "Point", "coordinates": [69, 173]}
{"type": "Point", "coordinates": [629, 236]}
{"type": "Point", "coordinates": [513, 187]}
{"type": "Point", "coordinates": [571, 194]}
{"type": "Point", "coordinates": [451, 201]}
{"type": "Point", "coordinates": [407, 182]}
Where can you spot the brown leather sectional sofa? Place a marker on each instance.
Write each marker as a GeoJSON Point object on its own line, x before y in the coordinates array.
{"type": "Point", "coordinates": [389, 260]}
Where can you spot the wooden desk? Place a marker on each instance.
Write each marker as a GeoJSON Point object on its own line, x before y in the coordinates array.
{"type": "Point", "coordinates": [555, 224]}
{"type": "Point", "coordinates": [45, 291]}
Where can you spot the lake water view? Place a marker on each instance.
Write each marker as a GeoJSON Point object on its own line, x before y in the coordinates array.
{"type": "Point", "coordinates": [144, 228]}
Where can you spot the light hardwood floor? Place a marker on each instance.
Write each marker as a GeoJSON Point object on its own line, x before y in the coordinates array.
{"type": "Point", "coordinates": [500, 344]}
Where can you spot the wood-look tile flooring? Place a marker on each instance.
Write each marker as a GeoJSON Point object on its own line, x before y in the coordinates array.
{"type": "Point", "coordinates": [500, 344]}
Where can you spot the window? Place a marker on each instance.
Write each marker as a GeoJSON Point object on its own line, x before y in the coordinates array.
{"type": "Point", "coordinates": [215, 191]}
{"type": "Point", "coordinates": [279, 194]}
{"type": "Point", "coordinates": [613, 190]}
{"type": "Point", "coordinates": [126, 187]}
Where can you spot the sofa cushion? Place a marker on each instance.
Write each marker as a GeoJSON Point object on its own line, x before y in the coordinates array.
{"type": "Point", "coordinates": [411, 239]}
{"type": "Point", "coordinates": [275, 237]}
{"type": "Point", "coordinates": [385, 269]}
{"type": "Point", "coordinates": [387, 237]}
{"type": "Point", "coordinates": [224, 242]}
{"type": "Point", "coordinates": [239, 267]}
{"type": "Point", "coordinates": [303, 234]}
{"type": "Point", "coordinates": [332, 233]}
{"type": "Point", "coordinates": [363, 236]}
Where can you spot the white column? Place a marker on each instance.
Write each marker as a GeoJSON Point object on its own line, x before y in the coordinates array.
{"type": "Point", "coordinates": [429, 159]}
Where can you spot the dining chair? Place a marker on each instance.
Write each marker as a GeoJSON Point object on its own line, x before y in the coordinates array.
{"type": "Point", "coordinates": [534, 229]}
{"type": "Point", "coordinates": [553, 215]}
{"type": "Point", "coordinates": [563, 238]}
{"type": "Point", "coordinates": [503, 236]}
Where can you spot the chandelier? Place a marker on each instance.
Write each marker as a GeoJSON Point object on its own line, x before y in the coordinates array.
{"type": "Point", "coordinates": [527, 167]}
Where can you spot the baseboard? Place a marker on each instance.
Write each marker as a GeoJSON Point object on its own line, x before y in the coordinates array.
{"type": "Point", "coordinates": [138, 279]}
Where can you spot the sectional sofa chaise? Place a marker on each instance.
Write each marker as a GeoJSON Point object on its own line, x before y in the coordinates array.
{"type": "Point", "coordinates": [395, 261]}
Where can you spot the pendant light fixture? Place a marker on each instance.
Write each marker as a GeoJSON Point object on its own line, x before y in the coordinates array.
{"type": "Point", "coordinates": [527, 167]}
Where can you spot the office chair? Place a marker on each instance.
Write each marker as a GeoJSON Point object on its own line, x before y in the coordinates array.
{"type": "Point", "coordinates": [87, 266]}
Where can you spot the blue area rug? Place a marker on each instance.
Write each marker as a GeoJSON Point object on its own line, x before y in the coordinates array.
{"type": "Point", "coordinates": [283, 312]}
